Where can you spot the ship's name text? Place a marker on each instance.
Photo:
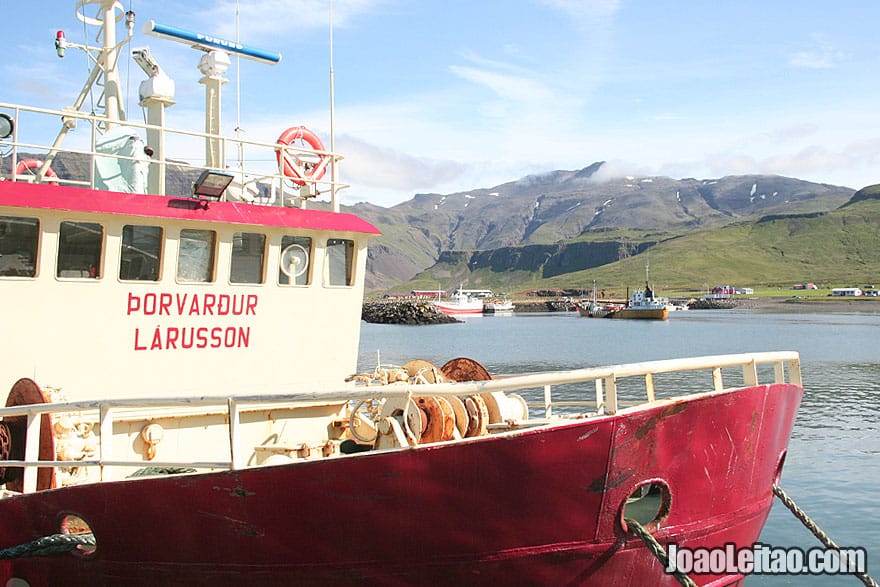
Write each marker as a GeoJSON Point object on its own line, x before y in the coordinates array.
{"type": "Point", "coordinates": [167, 337]}
{"type": "Point", "coordinates": [192, 304]}
{"type": "Point", "coordinates": [191, 337]}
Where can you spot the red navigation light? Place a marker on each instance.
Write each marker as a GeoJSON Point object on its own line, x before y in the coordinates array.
{"type": "Point", "coordinates": [60, 43]}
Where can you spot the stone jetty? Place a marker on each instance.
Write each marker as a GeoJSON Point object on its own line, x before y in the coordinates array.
{"type": "Point", "coordinates": [544, 306]}
{"type": "Point", "coordinates": [710, 304]}
{"type": "Point", "coordinates": [413, 312]}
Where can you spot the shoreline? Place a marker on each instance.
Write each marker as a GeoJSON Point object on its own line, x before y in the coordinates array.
{"type": "Point", "coordinates": [421, 312]}
{"type": "Point", "coordinates": [808, 305]}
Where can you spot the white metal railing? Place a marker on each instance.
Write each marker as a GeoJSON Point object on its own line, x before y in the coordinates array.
{"type": "Point", "coordinates": [605, 402]}
{"type": "Point", "coordinates": [262, 169]}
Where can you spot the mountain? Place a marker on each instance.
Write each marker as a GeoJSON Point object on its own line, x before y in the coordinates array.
{"type": "Point", "coordinates": [552, 229]}
{"type": "Point", "coordinates": [831, 249]}
{"type": "Point", "coordinates": [566, 221]}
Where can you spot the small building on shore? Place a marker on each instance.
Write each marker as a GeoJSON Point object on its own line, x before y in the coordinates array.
{"type": "Point", "coordinates": [846, 291]}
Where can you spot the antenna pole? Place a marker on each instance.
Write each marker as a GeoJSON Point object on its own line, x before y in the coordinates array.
{"type": "Point", "coordinates": [334, 172]}
{"type": "Point", "coordinates": [238, 130]}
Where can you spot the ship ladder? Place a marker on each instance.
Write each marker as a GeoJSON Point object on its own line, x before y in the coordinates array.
{"type": "Point", "coordinates": [820, 534]}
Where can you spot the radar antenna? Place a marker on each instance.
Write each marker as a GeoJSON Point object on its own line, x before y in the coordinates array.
{"type": "Point", "coordinates": [212, 65]}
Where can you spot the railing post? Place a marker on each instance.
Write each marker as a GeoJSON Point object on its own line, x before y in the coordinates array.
{"type": "Point", "coordinates": [778, 372]}
{"type": "Point", "coordinates": [32, 451]}
{"type": "Point", "coordinates": [105, 442]}
{"type": "Point", "coordinates": [600, 400]}
{"type": "Point", "coordinates": [548, 401]}
{"type": "Point", "coordinates": [611, 394]}
{"type": "Point", "coordinates": [649, 386]}
{"type": "Point", "coordinates": [794, 372]}
{"type": "Point", "coordinates": [750, 373]}
{"type": "Point", "coordinates": [235, 460]}
{"type": "Point", "coordinates": [717, 379]}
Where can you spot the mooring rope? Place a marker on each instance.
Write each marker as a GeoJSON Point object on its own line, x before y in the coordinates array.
{"type": "Point", "coordinates": [657, 550]}
{"type": "Point", "coordinates": [819, 533]}
{"type": "Point", "coordinates": [150, 471]}
{"type": "Point", "coordinates": [47, 545]}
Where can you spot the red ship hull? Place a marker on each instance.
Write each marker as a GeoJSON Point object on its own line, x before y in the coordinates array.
{"type": "Point", "coordinates": [541, 507]}
{"type": "Point", "coordinates": [457, 310]}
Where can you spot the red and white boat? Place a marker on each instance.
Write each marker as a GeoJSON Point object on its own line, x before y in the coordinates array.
{"type": "Point", "coordinates": [460, 302]}
{"type": "Point", "coordinates": [596, 309]}
{"type": "Point", "coordinates": [182, 408]}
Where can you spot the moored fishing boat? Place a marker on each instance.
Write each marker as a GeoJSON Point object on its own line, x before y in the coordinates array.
{"type": "Point", "coordinates": [643, 304]}
{"type": "Point", "coordinates": [502, 305]}
{"type": "Point", "coordinates": [460, 302]}
{"type": "Point", "coordinates": [593, 308]}
{"type": "Point", "coordinates": [197, 417]}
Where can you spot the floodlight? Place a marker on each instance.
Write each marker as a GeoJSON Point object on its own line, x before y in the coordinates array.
{"type": "Point", "coordinates": [6, 125]}
{"type": "Point", "coordinates": [211, 184]}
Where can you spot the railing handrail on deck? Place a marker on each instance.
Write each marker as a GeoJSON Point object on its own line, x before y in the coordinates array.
{"type": "Point", "coordinates": [274, 176]}
{"type": "Point", "coordinates": [606, 401]}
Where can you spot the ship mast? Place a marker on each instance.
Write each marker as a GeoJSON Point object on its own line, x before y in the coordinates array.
{"type": "Point", "coordinates": [104, 73]}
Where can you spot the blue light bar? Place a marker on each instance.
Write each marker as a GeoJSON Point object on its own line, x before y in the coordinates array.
{"type": "Point", "coordinates": [208, 42]}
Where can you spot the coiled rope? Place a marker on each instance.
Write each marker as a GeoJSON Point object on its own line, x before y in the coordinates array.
{"type": "Point", "coordinates": [48, 545]}
{"type": "Point", "coordinates": [819, 533]}
{"type": "Point", "coordinates": [657, 550]}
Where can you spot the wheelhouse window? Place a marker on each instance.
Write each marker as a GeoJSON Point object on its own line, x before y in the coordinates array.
{"type": "Point", "coordinates": [248, 254]}
{"type": "Point", "coordinates": [195, 259]}
{"type": "Point", "coordinates": [340, 261]}
{"type": "Point", "coordinates": [296, 260]}
{"type": "Point", "coordinates": [141, 255]}
{"type": "Point", "coordinates": [19, 238]}
{"type": "Point", "coordinates": [80, 246]}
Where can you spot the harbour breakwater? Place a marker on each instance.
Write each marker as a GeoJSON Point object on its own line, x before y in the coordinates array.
{"type": "Point", "coordinates": [412, 312]}
{"type": "Point", "coordinates": [546, 306]}
{"type": "Point", "coordinates": [422, 312]}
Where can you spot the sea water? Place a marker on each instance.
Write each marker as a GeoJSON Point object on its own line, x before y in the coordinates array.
{"type": "Point", "coordinates": [832, 469]}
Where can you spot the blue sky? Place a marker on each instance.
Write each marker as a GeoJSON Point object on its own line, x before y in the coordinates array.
{"type": "Point", "coordinates": [445, 96]}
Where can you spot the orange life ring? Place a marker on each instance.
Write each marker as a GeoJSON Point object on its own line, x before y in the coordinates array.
{"type": "Point", "coordinates": [298, 169]}
{"type": "Point", "coordinates": [25, 165]}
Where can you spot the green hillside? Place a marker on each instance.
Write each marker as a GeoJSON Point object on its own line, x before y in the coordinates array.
{"type": "Point", "coordinates": [831, 249]}
{"type": "Point", "coordinates": [841, 247]}
{"type": "Point", "coordinates": [562, 210]}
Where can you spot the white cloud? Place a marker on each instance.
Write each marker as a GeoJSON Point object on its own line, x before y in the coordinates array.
{"type": "Point", "coordinates": [585, 10]}
{"type": "Point", "coordinates": [822, 55]}
{"type": "Point", "coordinates": [619, 169]}
{"type": "Point", "coordinates": [791, 133]}
{"type": "Point", "coordinates": [853, 164]}
{"type": "Point", "coordinates": [516, 88]}
{"type": "Point", "coordinates": [372, 166]}
{"type": "Point", "coordinates": [261, 17]}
